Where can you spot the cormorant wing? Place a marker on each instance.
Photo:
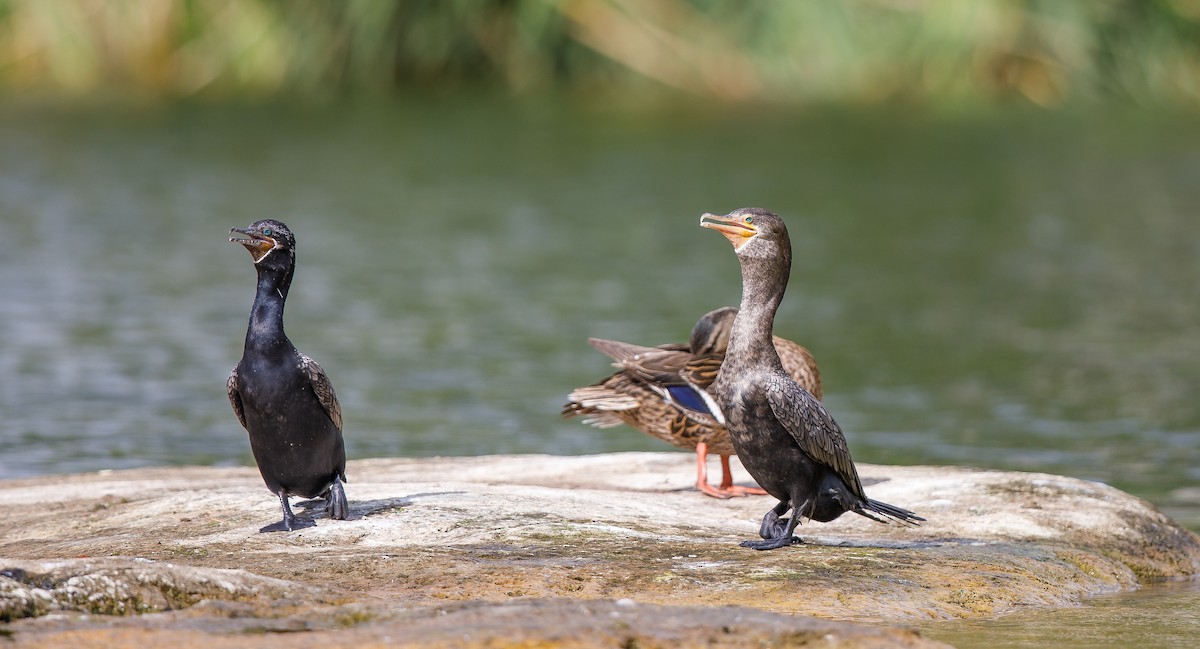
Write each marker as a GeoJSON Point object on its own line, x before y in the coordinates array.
{"type": "Point", "coordinates": [235, 396]}
{"type": "Point", "coordinates": [814, 429]}
{"type": "Point", "coordinates": [799, 364]}
{"type": "Point", "coordinates": [323, 388]}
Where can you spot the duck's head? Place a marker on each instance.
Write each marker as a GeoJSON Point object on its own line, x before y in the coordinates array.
{"type": "Point", "coordinates": [269, 242]}
{"type": "Point", "coordinates": [711, 333]}
{"type": "Point", "coordinates": [753, 231]}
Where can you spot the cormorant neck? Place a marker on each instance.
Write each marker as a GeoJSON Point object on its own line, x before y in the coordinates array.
{"type": "Point", "coordinates": [266, 316]}
{"type": "Point", "coordinates": [764, 281]}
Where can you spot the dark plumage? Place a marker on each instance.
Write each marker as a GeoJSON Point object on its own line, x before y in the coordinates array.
{"type": "Point", "coordinates": [662, 391]}
{"type": "Point", "coordinates": [784, 436]}
{"type": "Point", "coordinates": [282, 397]}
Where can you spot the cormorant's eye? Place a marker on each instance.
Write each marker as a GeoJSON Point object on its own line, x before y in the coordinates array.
{"type": "Point", "coordinates": [749, 219]}
{"type": "Point", "coordinates": [267, 232]}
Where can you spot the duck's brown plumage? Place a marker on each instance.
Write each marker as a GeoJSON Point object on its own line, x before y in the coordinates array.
{"type": "Point", "coordinates": [639, 393]}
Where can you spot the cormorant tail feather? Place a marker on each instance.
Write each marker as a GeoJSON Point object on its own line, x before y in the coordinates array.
{"type": "Point", "coordinates": [890, 512]}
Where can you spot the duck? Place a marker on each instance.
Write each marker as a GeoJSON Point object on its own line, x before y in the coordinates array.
{"type": "Point", "coordinates": [282, 397]}
{"type": "Point", "coordinates": [786, 439]}
{"type": "Point", "coordinates": [663, 392]}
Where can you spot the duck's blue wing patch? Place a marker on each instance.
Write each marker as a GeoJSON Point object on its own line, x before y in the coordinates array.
{"type": "Point", "coordinates": [688, 397]}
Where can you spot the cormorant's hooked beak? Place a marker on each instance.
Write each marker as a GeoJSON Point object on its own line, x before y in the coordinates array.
{"type": "Point", "coordinates": [259, 245]}
{"type": "Point", "coordinates": [736, 228]}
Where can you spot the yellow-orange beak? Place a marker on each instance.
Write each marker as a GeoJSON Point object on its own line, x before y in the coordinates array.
{"type": "Point", "coordinates": [736, 229]}
{"type": "Point", "coordinates": [258, 245]}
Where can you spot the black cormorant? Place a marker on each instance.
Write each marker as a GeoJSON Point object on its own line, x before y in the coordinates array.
{"type": "Point", "coordinates": [282, 397]}
{"type": "Point", "coordinates": [784, 437]}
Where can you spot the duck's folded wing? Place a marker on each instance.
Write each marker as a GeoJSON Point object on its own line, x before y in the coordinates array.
{"type": "Point", "coordinates": [799, 363]}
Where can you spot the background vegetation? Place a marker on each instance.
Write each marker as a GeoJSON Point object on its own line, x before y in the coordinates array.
{"type": "Point", "coordinates": [1048, 52]}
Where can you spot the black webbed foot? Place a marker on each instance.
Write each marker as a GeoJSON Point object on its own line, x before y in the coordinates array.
{"type": "Point", "coordinates": [771, 544]}
{"type": "Point", "coordinates": [775, 531]}
{"type": "Point", "coordinates": [290, 521]}
{"type": "Point", "coordinates": [772, 525]}
{"type": "Point", "coordinates": [336, 506]}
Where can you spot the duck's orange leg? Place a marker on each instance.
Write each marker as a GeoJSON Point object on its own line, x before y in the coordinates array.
{"type": "Point", "coordinates": [702, 474]}
{"type": "Point", "coordinates": [728, 487]}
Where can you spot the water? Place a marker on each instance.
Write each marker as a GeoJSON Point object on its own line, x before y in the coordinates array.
{"type": "Point", "coordinates": [1161, 616]}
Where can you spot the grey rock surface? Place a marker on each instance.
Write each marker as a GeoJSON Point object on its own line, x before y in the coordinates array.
{"type": "Point", "coordinates": [517, 541]}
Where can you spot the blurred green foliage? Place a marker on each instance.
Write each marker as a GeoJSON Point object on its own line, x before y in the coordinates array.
{"type": "Point", "coordinates": [1047, 52]}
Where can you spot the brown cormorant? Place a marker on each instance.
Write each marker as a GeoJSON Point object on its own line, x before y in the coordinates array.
{"type": "Point", "coordinates": [784, 437]}
{"type": "Point", "coordinates": [282, 397]}
{"type": "Point", "coordinates": [662, 391]}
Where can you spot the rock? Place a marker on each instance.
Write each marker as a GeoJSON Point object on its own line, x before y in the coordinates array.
{"type": "Point", "coordinates": [506, 532]}
{"type": "Point", "coordinates": [127, 587]}
{"type": "Point", "coordinates": [516, 623]}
